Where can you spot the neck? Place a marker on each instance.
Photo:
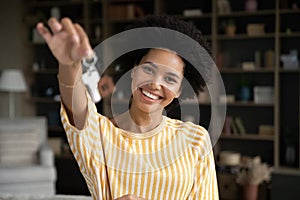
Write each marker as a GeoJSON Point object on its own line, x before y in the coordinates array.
{"type": "Point", "coordinates": [145, 121]}
{"type": "Point", "coordinates": [140, 121]}
{"type": "Point", "coordinates": [142, 118]}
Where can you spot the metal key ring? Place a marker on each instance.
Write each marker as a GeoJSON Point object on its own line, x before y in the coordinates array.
{"type": "Point", "coordinates": [90, 60]}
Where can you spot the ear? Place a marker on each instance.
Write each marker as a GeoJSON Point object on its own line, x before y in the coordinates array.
{"type": "Point", "coordinates": [178, 93]}
{"type": "Point", "coordinates": [132, 72]}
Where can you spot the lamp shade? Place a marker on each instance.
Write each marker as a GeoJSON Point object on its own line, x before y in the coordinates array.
{"type": "Point", "coordinates": [12, 80]}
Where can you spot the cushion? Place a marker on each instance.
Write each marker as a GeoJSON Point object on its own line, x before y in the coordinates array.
{"type": "Point", "coordinates": [18, 147]}
{"type": "Point", "coordinates": [9, 175]}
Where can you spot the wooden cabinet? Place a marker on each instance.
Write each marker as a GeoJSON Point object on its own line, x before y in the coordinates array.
{"type": "Point", "coordinates": [241, 59]}
{"type": "Point", "coordinates": [263, 50]}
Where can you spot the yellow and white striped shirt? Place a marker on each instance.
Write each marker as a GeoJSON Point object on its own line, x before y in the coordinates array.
{"type": "Point", "coordinates": [173, 161]}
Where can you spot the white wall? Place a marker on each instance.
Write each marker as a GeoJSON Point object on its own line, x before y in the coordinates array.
{"type": "Point", "coordinates": [13, 52]}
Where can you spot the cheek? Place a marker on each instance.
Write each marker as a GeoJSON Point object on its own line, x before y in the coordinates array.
{"type": "Point", "coordinates": [174, 90]}
{"type": "Point", "coordinates": [135, 84]}
{"type": "Point", "coordinates": [170, 94]}
{"type": "Point", "coordinates": [138, 81]}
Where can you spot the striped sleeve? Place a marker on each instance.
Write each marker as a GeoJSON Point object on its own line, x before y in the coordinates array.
{"type": "Point", "coordinates": [86, 147]}
{"type": "Point", "coordinates": [84, 143]}
{"type": "Point", "coordinates": [205, 181]}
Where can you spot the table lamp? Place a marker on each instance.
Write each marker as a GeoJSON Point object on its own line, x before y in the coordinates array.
{"type": "Point", "coordinates": [12, 81]}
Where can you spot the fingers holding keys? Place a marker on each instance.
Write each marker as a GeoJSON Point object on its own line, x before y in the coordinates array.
{"type": "Point", "coordinates": [54, 25]}
{"type": "Point", "coordinates": [44, 32]}
{"type": "Point", "coordinates": [69, 27]}
{"type": "Point", "coordinates": [67, 41]}
{"type": "Point", "coordinates": [84, 41]}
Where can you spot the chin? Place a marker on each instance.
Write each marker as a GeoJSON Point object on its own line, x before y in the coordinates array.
{"type": "Point", "coordinates": [151, 108]}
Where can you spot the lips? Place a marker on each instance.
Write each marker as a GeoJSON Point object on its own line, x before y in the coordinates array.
{"type": "Point", "coordinates": [150, 95]}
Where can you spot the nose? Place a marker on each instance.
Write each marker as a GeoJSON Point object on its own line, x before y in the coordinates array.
{"type": "Point", "coordinates": [155, 86]}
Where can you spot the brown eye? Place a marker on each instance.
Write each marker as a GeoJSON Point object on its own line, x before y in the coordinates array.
{"type": "Point", "coordinates": [170, 80]}
{"type": "Point", "coordinates": [148, 70]}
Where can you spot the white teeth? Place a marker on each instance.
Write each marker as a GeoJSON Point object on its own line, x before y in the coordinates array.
{"type": "Point", "coordinates": [151, 96]}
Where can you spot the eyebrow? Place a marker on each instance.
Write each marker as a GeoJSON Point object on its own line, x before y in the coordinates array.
{"type": "Point", "coordinates": [155, 66]}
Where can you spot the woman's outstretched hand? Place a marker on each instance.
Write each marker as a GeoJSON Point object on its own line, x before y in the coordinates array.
{"type": "Point", "coordinates": [67, 41]}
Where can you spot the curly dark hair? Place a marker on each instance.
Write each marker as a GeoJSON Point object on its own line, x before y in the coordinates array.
{"type": "Point", "coordinates": [192, 76]}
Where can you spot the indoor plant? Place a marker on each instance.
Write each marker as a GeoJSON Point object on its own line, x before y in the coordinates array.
{"type": "Point", "coordinates": [251, 174]}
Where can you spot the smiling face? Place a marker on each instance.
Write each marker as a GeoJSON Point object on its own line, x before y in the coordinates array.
{"type": "Point", "coordinates": [156, 81]}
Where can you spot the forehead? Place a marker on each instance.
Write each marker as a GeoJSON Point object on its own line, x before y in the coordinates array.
{"type": "Point", "coordinates": [165, 58]}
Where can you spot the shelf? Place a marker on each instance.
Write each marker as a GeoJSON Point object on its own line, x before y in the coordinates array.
{"type": "Point", "coordinates": [48, 3]}
{"type": "Point", "coordinates": [287, 170]}
{"type": "Point", "coordinates": [248, 136]}
{"type": "Point", "coordinates": [233, 104]}
{"type": "Point", "coordinates": [246, 36]}
{"type": "Point", "coordinates": [281, 70]}
{"type": "Point", "coordinates": [233, 70]}
{"type": "Point", "coordinates": [289, 11]}
{"type": "Point", "coordinates": [250, 104]}
{"type": "Point", "coordinates": [247, 14]}
{"type": "Point", "coordinates": [202, 16]}
{"type": "Point", "coordinates": [193, 102]}
{"type": "Point", "coordinates": [290, 35]}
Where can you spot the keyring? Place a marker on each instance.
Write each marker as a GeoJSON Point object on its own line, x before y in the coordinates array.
{"type": "Point", "coordinates": [90, 60]}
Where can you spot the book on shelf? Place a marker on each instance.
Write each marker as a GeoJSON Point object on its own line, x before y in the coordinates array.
{"type": "Point", "coordinates": [240, 125]}
{"type": "Point", "coordinates": [227, 125]}
{"type": "Point", "coordinates": [234, 126]}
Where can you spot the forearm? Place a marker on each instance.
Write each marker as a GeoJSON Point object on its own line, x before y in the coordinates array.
{"type": "Point", "coordinates": [69, 44]}
{"type": "Point", "coordinates": [73, 93]}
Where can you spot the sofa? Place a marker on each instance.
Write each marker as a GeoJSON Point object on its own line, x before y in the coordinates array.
{"type": "Point", "coordinates": [26, 161]}
{"type": "Point", "coordinates": [5, 196]}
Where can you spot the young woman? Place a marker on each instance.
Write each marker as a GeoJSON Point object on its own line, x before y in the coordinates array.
{"type": "Point", "coordinates": [140, 154]}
